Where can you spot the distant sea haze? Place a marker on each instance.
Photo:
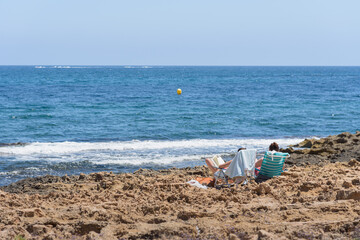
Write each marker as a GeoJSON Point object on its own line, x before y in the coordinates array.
{"type": "Point", "coordinates": [73, 119]}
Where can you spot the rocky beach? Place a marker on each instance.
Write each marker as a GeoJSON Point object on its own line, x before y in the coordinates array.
{"type": "Point", "coordinates": [317, 198]}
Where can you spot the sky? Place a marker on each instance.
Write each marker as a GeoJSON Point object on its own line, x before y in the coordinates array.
{"type": "Point", "coordinates": [183, 32]}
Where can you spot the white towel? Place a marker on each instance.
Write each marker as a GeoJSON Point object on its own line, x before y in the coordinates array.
{"type": "Point", "coordinates": [196, 184]}
{"type": "Point", "coordinates": [243, 164]}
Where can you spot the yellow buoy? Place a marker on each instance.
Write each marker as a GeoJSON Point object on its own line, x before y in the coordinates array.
{"type": "Point", "coordinates": [179, 91]}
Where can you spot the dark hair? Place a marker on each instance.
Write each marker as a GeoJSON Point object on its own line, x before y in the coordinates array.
{"type": "Point", "coordinates": [242, 148]}
{"type": "Point", "coordinates": [274, 146]}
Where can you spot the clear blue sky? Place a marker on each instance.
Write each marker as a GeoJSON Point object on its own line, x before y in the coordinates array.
{"type": "Point", "coordinates": [184, 32]}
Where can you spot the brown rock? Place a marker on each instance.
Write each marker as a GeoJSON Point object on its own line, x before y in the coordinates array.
{"type": "Point", "coordinates": [99, 177]}
{"type": "Point", "coordinates": [65, 178]}
{"type": "Point", "coordinates": [263, 188]}
{"type": "Point", "coordinates": [322, 151]}
{"type": "Point", "coordinates": [264, 235]}
{"type": "Point", "coordinates": [291, 174]}
{"type": "Point", "coordinates": [346, 195]}
{"type": "Point", "coordinates": [93, 236]}
{"type": "Point", "coordinates": [307, 143]}
{"type": "Point", "coordinates": [37, 229]}
{"type": "Point", "coordinates": [29, 213]}
{"type": "Point", "coordinates": [353, 162]}
{"type": "Point", "coordinates": [82, 176]}
{"type": "Point", "coordinates": [233, 237]}
{"type": "Point", "coordinates": [159, 205]}
{"type": "Point", "coordinates": [341, 140]}
{"type": "Point", "coordinates": [344, 135]}
{"type": "Point", "coordinates": [83, 228]}
{"type": "Point", "coordinates": [347, 184]}
{"type": "Point", "coordinates": [355, 181]}
{"type": "Point", "coordinates": [307, 186]}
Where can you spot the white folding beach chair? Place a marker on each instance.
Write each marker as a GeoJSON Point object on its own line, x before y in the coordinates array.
{"type": "Point", "coordinates": [242, 166]}
{"type": "Point", "coordinates": [220, 174]}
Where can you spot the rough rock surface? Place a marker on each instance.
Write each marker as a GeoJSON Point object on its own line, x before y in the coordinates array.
{"type": "Point", "coordinates": [337, 148]}
{"type": "Point", "coordinates": [306, 202]}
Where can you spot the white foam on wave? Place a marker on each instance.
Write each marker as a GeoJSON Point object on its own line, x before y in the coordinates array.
{"type": "Point", "coordinates": [17, 172]}
{"type": "Point", "coordinates": [62, 67]}
{"type": "Point", "coordinates": [147, 160]}
{"type": "Point", "coordinates": [137, 152]}
{"type": "Point", "coordinates": [91, 66]}
{"type": "Point", "coordinates": [73, 147]}
{"type": "Point", "coordinates": [137, 67]}
{"type": "Point", "coordinates": [9, 173]}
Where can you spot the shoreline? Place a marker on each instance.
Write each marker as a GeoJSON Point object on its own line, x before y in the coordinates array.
{"type": "Point", "coordinates": [317, 198]}
{"type": "Point", "coordinates": [60, 158]}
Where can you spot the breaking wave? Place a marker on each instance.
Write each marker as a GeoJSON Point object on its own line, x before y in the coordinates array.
{"type": "Point", "coordinates": [135, 152]}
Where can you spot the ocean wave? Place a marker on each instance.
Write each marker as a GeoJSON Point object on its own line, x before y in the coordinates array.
{"type": "Point", "coordinates": [73, 147]}
{"type": "Point", "coordinates": [53, 67]}
{"type": "Point", "coordinates": [137, 67]}
{"type": "Point", "coordinates": [135, 152]}
{"type": "Point", "coordinates": [22, 171]}
{"type": "Point", "coordinates": [62, 67]}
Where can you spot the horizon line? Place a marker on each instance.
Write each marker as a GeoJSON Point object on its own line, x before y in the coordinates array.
{"type": "Point", "coordinates": [170, 65]}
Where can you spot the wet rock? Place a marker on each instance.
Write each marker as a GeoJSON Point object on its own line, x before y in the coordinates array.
{"type": "Point", "coordinates": [289, 150]}
{"type": "Point", "coordinates": [307, 143]}
{"type": "Point", "coordinates": [339, 148]}
{"type": "Point", "coordinates": [322, 151]}
{"type": "Point", "coordinates": [12, 144]}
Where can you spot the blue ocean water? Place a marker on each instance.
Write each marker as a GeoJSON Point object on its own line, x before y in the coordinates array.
{"type": "Point", "coordinates": [73, 119]}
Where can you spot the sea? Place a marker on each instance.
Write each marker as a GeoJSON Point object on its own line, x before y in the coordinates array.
{"type": "Point", "coordinates": [80, 119]}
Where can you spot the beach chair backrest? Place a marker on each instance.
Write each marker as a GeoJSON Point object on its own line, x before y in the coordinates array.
{"type": "Point", "coordinates": [273, 163]}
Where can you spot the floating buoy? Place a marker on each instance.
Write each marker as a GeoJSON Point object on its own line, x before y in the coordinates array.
{"type": "Point", "coordinates": [179, 91]}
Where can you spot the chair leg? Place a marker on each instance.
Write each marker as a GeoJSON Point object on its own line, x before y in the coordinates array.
{"type": "Point", "coordinates": [223, 176]}
{"type": "Point", "coordinates": [216, 180]}
{"type": "Point", "coordinates": [225, 179]}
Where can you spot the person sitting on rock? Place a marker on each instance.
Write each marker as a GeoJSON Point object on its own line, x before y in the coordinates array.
{"type": "Point", "coordinates": [273, 147]}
